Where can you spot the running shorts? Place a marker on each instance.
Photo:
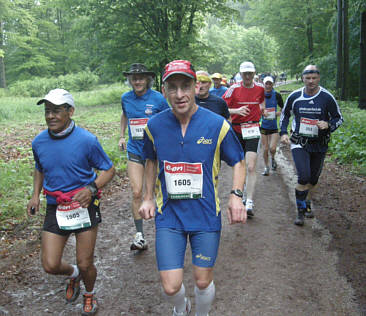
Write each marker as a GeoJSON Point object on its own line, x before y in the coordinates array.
{"type": "Point", "coordinates": [268, 131]}
{"type": "Point", "coordinates": [135, 158]}
{"type": "Point", "coordinates": [50, 221]}
{"type": "Point", "coordinates": [170, 247]}
{"type": "Point", "coordinates": [249, 144]}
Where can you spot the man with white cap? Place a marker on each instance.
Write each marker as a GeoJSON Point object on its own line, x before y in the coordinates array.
{"type": "Point", "coordinates": [217, 89]}
{"type": "Point", "coordinates": [65, 158]}
{"type": "Point", "coordinates": [184, 147]}
{"type": "Point", "coordinates": [269, 126]}
{"type": "Point", "coordinates": [246, 105]}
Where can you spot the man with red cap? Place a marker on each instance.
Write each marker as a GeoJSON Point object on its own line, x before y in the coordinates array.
{"type": "Point", "coordinates": [184, 147]}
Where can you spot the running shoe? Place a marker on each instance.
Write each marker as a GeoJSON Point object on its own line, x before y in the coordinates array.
{"type": "Point", "coordinates": [274, 164]}
{"type": "Point", "coordinates": [265, 172]}
{"type": "Point", "coordinates": [249, 206]}
{"type": "Point", "coordinates": [308, 212]}
{"type": "Point", "coordinates": [299, 221]}
{"type": "Point", "coordinates": [139, 243]}
{"type": "Point", "coordinates": [90, 305]}
{"type": "Point", "coordinates": [73, 289]}
{"type": "Point", "coordinates": [187, 311]}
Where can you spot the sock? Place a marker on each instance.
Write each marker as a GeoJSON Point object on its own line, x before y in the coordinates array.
{"type": "Point", "coordinates": [139, 225]}
{"type": "Point", "coordinates": [178, 299]}
{"type": "Point", "coordinates": [75, 273]}
{"type": "Point", "coordinates": [204, 299]}
{"type": "Point", "coordinates": [301, 198]}
{"type": "Point", "coordinates": [89, 293]}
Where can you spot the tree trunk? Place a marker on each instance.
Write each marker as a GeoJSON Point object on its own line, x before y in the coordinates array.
{"type": "Point", "coordinates": [339, 48]}
{"type": "Point", "coordinates": [345, 83]}
{"type": "Point", "coordinates": [309, 32]}
{"type": "Point", "coordinates": [362, 98]}
{"type": "Point", "coordinates": [2, 65]}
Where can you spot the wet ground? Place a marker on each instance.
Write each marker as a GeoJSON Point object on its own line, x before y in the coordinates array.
{"type": "Point", "coordinates": [267, 266]}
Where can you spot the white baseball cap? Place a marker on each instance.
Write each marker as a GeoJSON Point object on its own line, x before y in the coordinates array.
{"type": "Point", "coordinates": [247, 66]}
{"type": "Point", "coordinates": [268, 78]}
{"type": "Point", "coordinates": [58, 97]}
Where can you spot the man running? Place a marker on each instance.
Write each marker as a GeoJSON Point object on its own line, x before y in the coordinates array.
{"type": "Point", "coordinates": [217, 89]}
{"type": "Point", "coordinates": [269, 128]}
{"type": "Point", "coordinates": [65, 158]}
{"type": "Point", "coordinates": [138, 105]}
{"type": "Point", "coordinates": [184, 147]}
{"type": "Point", "coordinates": [246, 105]}
{"type": "Point", "coordinates": [207, 100]}
{"type": "Point", "coordinates": [316, 115]}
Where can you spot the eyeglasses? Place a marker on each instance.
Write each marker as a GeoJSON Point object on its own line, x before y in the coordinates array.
{"type": "Point", "coordinates": [185, 88]}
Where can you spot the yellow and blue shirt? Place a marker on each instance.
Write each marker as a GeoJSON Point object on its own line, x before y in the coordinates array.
{"type": "Point", "coordinates": [208, 140]}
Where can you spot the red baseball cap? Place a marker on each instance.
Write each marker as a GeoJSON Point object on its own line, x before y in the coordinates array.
{"type": "Point", "coordinates": [183, 67]}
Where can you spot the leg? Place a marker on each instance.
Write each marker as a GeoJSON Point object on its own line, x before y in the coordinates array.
{"type": "Point", "coordinates": [51, 254]}
{"type": "Point", "coordinates": [251, 164]}
{"type": "Point", "coordinates": [85, 244]}
{"type": "Point", "coordinates": [170, 245]}
{"type": "Point", "coordinates": [273, 148]}
{"type": "Point", "coordinates": [264, 140]}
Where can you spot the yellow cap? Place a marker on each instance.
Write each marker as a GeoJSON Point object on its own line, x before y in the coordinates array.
{"type": "Point", "coordinates": [216, 75]}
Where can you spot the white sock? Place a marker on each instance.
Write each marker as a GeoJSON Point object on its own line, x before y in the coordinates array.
{"type": "Point", "coordinates": [204, 299]}
{"type": "Point", "coordinates": [178, 299]}
{"type": "Point", "coordinates": [75, 274]}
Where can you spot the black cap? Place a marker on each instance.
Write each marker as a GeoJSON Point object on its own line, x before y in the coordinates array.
{"type": "Point", "coordinates": [138, 69]}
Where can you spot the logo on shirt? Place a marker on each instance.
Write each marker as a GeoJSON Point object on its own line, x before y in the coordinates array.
{"type": "Point", "coordinates": [148, 110]}
{"type": "Point", "coordinates": [204, 141]}
{"type": "Point", "coordinates": [311, 102]}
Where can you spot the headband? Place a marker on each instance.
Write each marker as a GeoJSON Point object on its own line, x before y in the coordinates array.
{"type": "Point", "coordinates": [311, 71]}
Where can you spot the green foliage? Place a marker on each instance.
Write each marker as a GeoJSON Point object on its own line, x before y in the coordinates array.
{"type": "Point", "coordinates": [348, 141]}
{"type": "Point", "coordinates": [40, 86]}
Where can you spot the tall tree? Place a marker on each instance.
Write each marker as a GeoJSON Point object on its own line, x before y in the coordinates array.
{"type": "Point", "coordinates": [362, 86]}
{"type": "Point", "coordinates": [3, 12]}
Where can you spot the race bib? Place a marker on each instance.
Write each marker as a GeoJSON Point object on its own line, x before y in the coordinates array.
{"type": "Point", "coordinates": [271, 114]}
{"type": "Point", "coordinates": [137, 126]}
{"type": "Point", "coordinates": [72, 216]}
{"type": "Point", "coordinates": [250, 130]}
{"type": "Point", "coordinates": [308, 127]}
{"type": "Point", "coordinates": [183, 180]}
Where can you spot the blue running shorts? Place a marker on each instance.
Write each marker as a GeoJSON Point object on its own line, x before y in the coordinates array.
{"type": "Point", "coordinates": [170, 247]}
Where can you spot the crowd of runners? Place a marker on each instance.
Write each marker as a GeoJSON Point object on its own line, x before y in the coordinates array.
{"type": "Point", "coordinates": [176, 143]}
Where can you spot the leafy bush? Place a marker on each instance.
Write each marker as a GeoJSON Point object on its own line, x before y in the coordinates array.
{"type": "Point", "coordinates": [40, 86]}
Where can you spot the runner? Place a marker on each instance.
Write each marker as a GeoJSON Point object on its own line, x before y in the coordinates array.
{"type": "Point", "coordinates": [246, 104]}
{"type": "Point", "coordinates": [217, 89]}
{"type": "Point", "coordinates": [269, 128]}
{"type": "Point", "coordinates": [205, 99]}
{"type": "Point", "coordinates": [65, 158]}
{"type": "Point", "coordinates": [138, 105]}
{"type": "Point", "coordinates": [316, 115]}
{"type": "Point", "coordinates": [186, 144]}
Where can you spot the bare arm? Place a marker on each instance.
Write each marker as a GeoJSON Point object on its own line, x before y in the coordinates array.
{"type": "Point", "coordinates": [122, 139]}
{"type": "Point", "coordinates": [236, 210]}
{"type": "Point", "coordinates": [147, 208]}
{"type": "Point", "coordinates": [34, 202]}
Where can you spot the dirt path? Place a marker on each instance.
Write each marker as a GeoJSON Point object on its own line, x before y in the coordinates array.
{"type": "Point", "coordinates": [266, 267]}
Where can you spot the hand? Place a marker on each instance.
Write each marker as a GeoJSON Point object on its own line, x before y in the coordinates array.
{"type": "Point", "coordinates": [236, 211]}
{"type": "Point", "coordinates": [147, 209]}
{"type": "Point", "coordinates": [243, 110]}
{"type": "Point", "coordinates": [285, 139]}
{"type": "Point", "coordinates": [122, 144]}
{"type": "Point", "coordinates": [84, 197]}
{"type": "Point", "coordinates": [265, 113]}
{"type": "Point", "coordinates": [322, 125]}
{"type": "Point", "coordinates": [33, 206]}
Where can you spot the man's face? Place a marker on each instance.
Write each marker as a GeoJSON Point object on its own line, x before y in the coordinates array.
{"type": "Point", "coordinates": [139, 84]}
{"type": "Point", "coordinates": [58, 117]}
{"type": "Point", "coordinates": [180, 92]}
{"type": "Point", "coordinates": [204, 89]}
{"type": "Point", "coordinates": [311, 82]}
{"type": "Point", "coordinates": [247, 78]}
{"type": "Point", "coordinates": [268, 86]}
{"type": "Point", "coordinates": [217, 83]}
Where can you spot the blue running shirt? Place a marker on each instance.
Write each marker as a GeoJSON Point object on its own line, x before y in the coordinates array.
{"type": "Point", "coordinates": [208, 140]}
{"type": "Point", "coordinates": [139, 107]}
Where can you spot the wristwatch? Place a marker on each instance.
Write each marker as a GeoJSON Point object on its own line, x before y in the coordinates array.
{"type": "Point", "coordinates": [93, 188]}
{"type": "Point", "coordinates": [237, 192]}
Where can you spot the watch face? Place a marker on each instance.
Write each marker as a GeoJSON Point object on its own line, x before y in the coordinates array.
{"type": "Point", "coordinates": [237, 192]}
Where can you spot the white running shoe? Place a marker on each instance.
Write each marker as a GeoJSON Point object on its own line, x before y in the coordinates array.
{"type": "Point", "coordinates": [265, 172]}
{"type": "Point", "coordinates": [187, 311]}
{"type": "Point", "coordinates": [249, 206]}
{"type": "Point", "coordinates": [139, 243]}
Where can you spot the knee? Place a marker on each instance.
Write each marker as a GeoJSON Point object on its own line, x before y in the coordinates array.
{"type": "Point", "coordinates": [85, 265]}
{"type": "Point", "coordinates": [50, 266]}
{"type": "Point", "coordinates": [251, 168]}
{"type": "Point", "coordinates": [202, 284]}
{"type": "Point", "coordinates": [171, 289]}
{"type": "Point", "coordinates": [273, 150]}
